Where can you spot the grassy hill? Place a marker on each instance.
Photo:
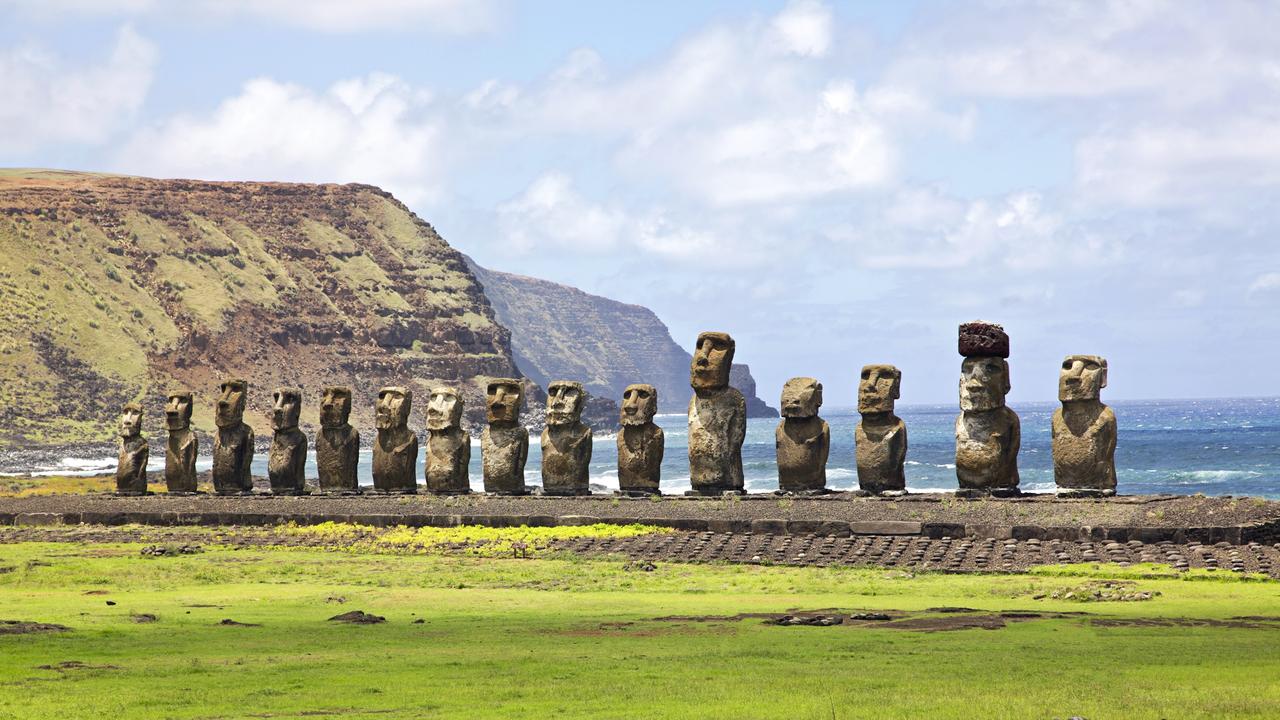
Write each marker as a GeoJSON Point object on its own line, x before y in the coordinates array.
{"type": "Point", "coordinates": [119, 288]}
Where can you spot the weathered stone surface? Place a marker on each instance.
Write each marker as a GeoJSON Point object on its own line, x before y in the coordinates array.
{"type": "Point", "coordinates": [880, 440]}
{"type": "Point", "coordinates": [131, 466]}
{"type": "Point", "coordinates": [233, 441]}
{"type": "Point", "coordinates": [802, 440]}
{"type": "Point", "coordinates": [988, 434]}
{"type": "Point", "coordinates": [983, 339]}
{"type": "Point", "coordinates": [395, 452]}
{"type": "Point", "coordinates": [566, 442]}
{"type": "Point", "coordinates": [717, 418]}
{"type": "Point", "coordinates": [1084, 429]}
{"type": "Point", "coordinates": [182, 446]}
{"type": "Point", "coordinates": [504, 446]}
{"type": "Point", "coordinates": [287, 460]}
{"type": "Point", "coordinates": [641, 443]}
{"type": "Point", "coordinates": [337, 443]}
{"type": "Point", "coordinates": [448, 445]}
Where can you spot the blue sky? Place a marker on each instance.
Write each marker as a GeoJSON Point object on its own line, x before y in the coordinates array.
{"type": "Point", "coordinates": [833, 183]}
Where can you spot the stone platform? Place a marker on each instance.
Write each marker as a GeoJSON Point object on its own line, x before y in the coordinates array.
{"type": "Point", "coordinates": [1139, 518]}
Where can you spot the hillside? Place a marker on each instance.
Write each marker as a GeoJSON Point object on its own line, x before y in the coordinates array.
{"type": "Point", "coordinates": [559, 331]}
{"type": "Point", "coordinates": [118, 288]}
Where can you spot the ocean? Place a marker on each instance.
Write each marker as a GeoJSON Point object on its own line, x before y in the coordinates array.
{"type": "Point", "coordinates": [1215, 447]}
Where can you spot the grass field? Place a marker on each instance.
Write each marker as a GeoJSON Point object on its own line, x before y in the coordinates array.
{"type": "Point", "coordinates": [570, 637]}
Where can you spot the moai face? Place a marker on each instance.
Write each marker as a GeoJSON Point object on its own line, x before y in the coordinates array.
{"type": "Point", "coordinates": [564, 402]}
{"type": "Point", "coordinates": [177, 411]}
{"type": "Point", "coordinates": [1082, 378]}
{"type": "Point", "coordinates": [231, 399]}
{"type": "Point", "coordinates": [984, 381]}
{"type": "Point", "coordinates": [335, 407]}
{"type": "Point", "coordinates": [639, 404]}
{"type": "Point", "coordinates": [392, 408]}
{"type": "Point", "coordinates": [878, 388]}
{"type": "Point", "coordinates": [444, 410]}
{"type": "Point", "coordinates": [801, 398]}
{"type": "Point", "coordinates": [712, 360]}
{"type": "Point", "coordinates": [503, 400]}
{"type": "Point", "coordinates": [286, 408]}
{"type": "Point", "coordinates": [131, 420]}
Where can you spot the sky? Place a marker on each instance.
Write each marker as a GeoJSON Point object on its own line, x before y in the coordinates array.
{"type": "Point", "coordinates": [834, 184]}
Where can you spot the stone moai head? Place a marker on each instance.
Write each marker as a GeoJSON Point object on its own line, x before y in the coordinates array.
{"type": "Point", "coordinates": [286, 408]}
{"type": "Point", "coordinates": [444, 409]}
{"type": "Point", "coordinates": [177, 411]}
{"type": "Point", "coordinates": [564, 402]}
{"type": "Point", "coordinates": [503, 400]}
{"type": "Point", "coordinates": [131, 420]}
{"type": "Point", "coordinates": [801, 398]}
{"type": "Point", "coordinates": [639, 404]}
{"type": "Point", "coordinates": [392, 408]}
{"type": "Point", "coordinates": [878, 387]}
{"type": "Point", "coordinates": [712, 360]}
{"type": "Point", "coordinates": [1082, 378]}
{"type": "Point", "coordinates": [231, 399]}
{"type": "Point", "coordinates": [335, 407]}
{"type": "Point", "coordinates": [984, 381]}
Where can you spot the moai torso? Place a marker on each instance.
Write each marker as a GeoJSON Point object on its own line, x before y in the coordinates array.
{"type": "Point", "coordinates": [717, 419]}
{"type": "Point", "coordinates": [566, 442]}
{"type": "Point", "coordinates": [1084, 430]}
{"type": "Point", "coordinates": [880, 440]}
{"type": "Point", "coordinates": [988, 434]}
{"type": "Point", "coordinates": [395, 451]}
{"type": "Point", "coordinates": [987, 445]}
{"type": "Point", "coordinates": [504, 445]}
{"type": "Point", "coordinates": [448, 445]}
{"type": "Point", "coordinates": [640, 442]}
{"type": "Point", "coordinates": [504, 450]}
{"type": "Point", "coordinates": [337, 443]}
{"type": "Point", "coordinates": [131, 467]}
{"type": "Point", "coordinates": [802, 440]}
{"type": "Point", "coordinates": [233, 441]}
{"type": "Point", "coordinates": [182, 446]}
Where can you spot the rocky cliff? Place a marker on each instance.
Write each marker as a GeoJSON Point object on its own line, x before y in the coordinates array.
{"type": "Point", "coordinates": [560, 332]}
{"type": "Point", "coordinates": [118, 288]}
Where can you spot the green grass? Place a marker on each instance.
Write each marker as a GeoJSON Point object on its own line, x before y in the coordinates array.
{"type": "Point", "coordinates": [570, 637]}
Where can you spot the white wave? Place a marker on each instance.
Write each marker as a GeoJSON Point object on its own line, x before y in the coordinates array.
{"type": "Point", "coordinates": [1213, 476]}
{"type": "Point", "coordinates": [840, 473]}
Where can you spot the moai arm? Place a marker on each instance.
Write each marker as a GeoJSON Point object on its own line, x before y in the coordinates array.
{"type": "Point", "coordinates": [738, 423]}
{"type": "Point", "coordinates": [246, 456]}
{"type": "Point", "coordinates": [590, 445]}
{"type": "Point", "coordinates": [660, 440]}
{"type": "Point", "coordinates": [826, 445]}
{"type": "Point", "coordinates": [899, 447]}
{"type": "Point", "coordinates": [523, 453]}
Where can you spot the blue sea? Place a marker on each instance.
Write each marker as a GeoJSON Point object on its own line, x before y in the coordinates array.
{"type": "Point", "coordinates": [1215, 447]}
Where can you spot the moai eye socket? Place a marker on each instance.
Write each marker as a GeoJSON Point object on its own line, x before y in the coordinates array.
{"type": "Point", "coordinates": [644, 395]}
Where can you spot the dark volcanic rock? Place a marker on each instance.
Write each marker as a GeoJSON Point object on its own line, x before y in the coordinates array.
{"type": "Point", "coordinates": [983, 339]}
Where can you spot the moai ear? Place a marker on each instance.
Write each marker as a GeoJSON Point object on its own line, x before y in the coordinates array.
{"type": "Point", "coordinates": [1008, 384]}
{"type": "Point", "coordinates": [897, 383]}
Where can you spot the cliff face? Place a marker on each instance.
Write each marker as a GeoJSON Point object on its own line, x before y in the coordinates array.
{"type": "Point", "coordinates": [114, 289]}
{"type": "Point", "coordinates": [560, 332]}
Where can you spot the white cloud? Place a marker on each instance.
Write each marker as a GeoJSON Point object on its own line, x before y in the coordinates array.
{"type": "Point", "coordinates": [330, 16]}
{"type": "Point", "coordinates": [551, 213]}
{"type": "Point", "coordinates": [374, 129]}
{"type": "Point", "coordinates": [804, 28]}
{"type": "Point", "coordinates": [1265, 283]}
{"type": "Point", "coordinates": [47, 101]}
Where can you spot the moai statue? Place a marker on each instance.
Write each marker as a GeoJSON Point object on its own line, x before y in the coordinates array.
{"type": "Point", "coordinates": [233, 442]}
{"type": "Point", "coordinates": [881, 437]}
{"type": "Point", "coordinates": [988, 433]}
{"type": "Point", "coordinates": [448, 445]}
{"type": "Point", "coordinates": [504, 446]}
{"type": "Point", "coordinates": [802, 439]}
{"type": "Point", "coordinates": [566, 442]}
{"type": "Point", "coordinates": [640, 442]}
{"type": "Point", "coordinates": [183, 446]}
{"type": "Point", "coordinates": [717, 419]}
{"type": "Point", "coordinates": [287, 462]}
{"type": "Point", "coordinates": [1084, 430]}
{"type": "Point", "coordinates": [131, 468]}
{"type": "Point", "coordinates": [337, 443]}
{"type": "Point", "coordinates": [395, 452]}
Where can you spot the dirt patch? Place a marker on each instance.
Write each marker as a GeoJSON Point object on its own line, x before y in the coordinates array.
{"type": "Point", "coordinates": [946, 609]}
{"type": "Point", "coordinates": [358, 617]}
{"type": "Point", "coordinates": [947, 622]}
{"type": "Point", "coordinates": [228, 622]}
{"type": "Point", "coordinates": [66, 665]}
{"type": "Point", "coordinates": [24, 627]}
{"type": "Point", "coordinates": [1185, 622]}
{"type": "Point", "coordinates": [143, 617]}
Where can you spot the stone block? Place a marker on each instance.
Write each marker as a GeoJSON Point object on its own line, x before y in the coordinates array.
{"type": "Point", "coordinates": [38, 519]}
{"type": "Point", "coordinates": [983, 339]}
{"type": "Point", "coordinates": [886, 527]}
{"type": "Point", "coordinates": [769, 527]}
